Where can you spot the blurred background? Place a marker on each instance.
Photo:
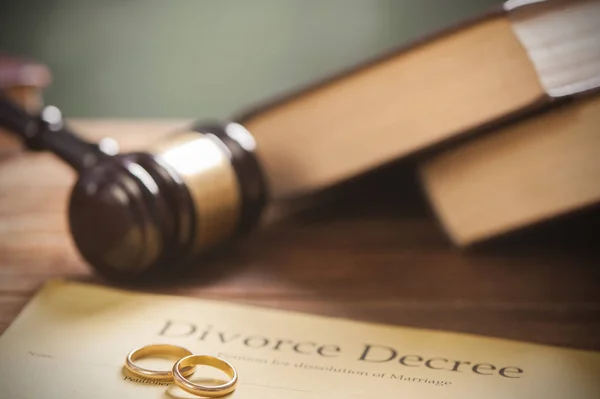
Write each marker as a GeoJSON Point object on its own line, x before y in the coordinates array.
{"type": "Point", "coordinates": [206, 59]}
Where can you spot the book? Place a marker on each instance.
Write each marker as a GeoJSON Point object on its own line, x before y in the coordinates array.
{"type": "Point", "coordinates": [524, 56]}
{"type": "Point", "coordinates": [523, 174]}
{"type": "Point", "coordinates": [72, 339]}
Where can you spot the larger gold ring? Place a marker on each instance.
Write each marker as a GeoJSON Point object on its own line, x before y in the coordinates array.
{"type": "Point", "coordinates": [209, 391]}
{"type": "Point", "coordinates": [162, 350]}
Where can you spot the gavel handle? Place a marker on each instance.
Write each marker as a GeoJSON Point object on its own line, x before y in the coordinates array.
{"type": "Point", "coordinates": [47, 132]}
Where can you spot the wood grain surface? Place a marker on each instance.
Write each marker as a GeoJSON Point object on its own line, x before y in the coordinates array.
{"type": "Point", "coordinates": [371, 252]}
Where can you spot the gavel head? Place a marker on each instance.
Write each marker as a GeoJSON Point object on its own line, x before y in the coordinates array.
{"type": "Point", "coordinates": [138, 214]}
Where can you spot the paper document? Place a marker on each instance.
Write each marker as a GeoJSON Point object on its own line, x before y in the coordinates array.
{"type": "Point", "coordinates": [72, 339]}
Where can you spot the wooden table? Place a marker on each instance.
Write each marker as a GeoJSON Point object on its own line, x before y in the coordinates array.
{"type": "Point", "coordinates": [373, 253]}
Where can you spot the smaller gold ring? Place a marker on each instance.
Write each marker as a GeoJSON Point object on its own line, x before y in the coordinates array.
{"type": "Point", "coordinates": [208, 391]}
{"type": "Point", "coordinates": [176, 352]}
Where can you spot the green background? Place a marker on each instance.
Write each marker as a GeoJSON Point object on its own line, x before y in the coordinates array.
{"type": "Point", "coordinates": [206, 58]}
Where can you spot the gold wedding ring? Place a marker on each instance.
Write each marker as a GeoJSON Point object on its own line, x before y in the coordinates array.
{"type": "Point", "coordinates": [158, 350]}
{"type": "Point", "coordinates": [209, 391]}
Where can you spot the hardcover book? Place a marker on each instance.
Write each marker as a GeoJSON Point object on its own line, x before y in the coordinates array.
{"type": "Point", "coordinates": [519, 58]}
{"type": "Point", "coordinates": [539, 167]}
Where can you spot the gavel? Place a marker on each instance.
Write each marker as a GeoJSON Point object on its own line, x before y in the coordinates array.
{"type": "Point", "coordinates": [138, 214]}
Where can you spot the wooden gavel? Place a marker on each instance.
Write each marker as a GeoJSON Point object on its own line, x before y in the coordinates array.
{"type": "Point", "coordinates": [136, 214]}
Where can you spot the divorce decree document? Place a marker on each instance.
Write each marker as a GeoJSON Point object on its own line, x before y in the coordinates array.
{"type": "Point", "coordinates": [71, 341]}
